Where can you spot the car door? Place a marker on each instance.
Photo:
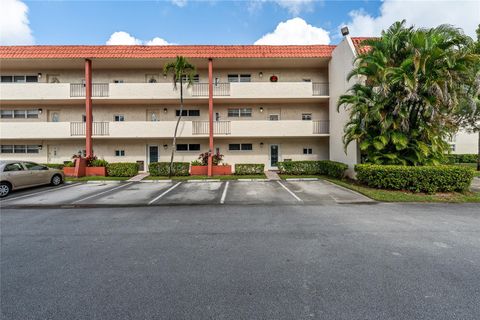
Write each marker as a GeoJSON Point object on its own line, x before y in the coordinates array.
{"type": "Point", "coordinates": [39, 174]}
{"type": "Point", "coordinates": [16, 174]}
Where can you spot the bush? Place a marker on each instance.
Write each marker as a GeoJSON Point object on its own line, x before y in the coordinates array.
{"type": "Point", "coordinates": [249, 168]}
{"type": "Point", "coordinates": [98, 163]}
{"type": "Point", "coordinates": [122, 169]}
{"type": "Point", "coordinates": [69, 164]}
{"type": "Point", "coordinates": [163, 168]}
{"type": "Point", "coordinates": [196, 163]}
{"type": "Point", "coordinates": [322, 167]}
{"type": "Point", "coordinates": [461, 158]}
{"type": "Point", "coordinates": [54, 165]}
{"type": "Point", "coordinates": [429, 179]}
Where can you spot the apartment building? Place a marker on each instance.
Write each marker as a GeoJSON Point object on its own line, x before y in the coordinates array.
{"type": "Point", "coordinates": [265, 103]}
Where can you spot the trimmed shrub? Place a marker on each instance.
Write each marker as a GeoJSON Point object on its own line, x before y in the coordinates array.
{"type": "Point", "coordinates": [69, 164]}
{"type": "Point", "coordinates": [54, 165]}
{"type": "Point", "coordinates": [249, 168]}
{"type": "Point", "coordinates": [429, 179]}
{"type": "Point", "coordinates": [322, 167]}
{"type": "Point", "coordinates": [163, 168]}
{"type": "Point", "coordinates": [98, 163]}
{"type": "Point", "coordinates": [461, 158]}
{"type": "Point", "coordinates": [122, 169]}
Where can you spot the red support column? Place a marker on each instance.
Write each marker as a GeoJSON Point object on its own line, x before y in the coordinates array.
{"type": "Point", "coordinates": [210, 116]}
{"type": "Point", "coordinates": [88, 107]}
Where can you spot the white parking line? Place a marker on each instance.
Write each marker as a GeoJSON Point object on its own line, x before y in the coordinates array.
{"type": "Point", "coordinates": [98, 194]}
{"type": "Point", "coordinates": [164, 193]}
{"type": "Point", "coordinates": [224, 194]}
{"type": "Point", "coordinates": [39, 192]}
{"type": "Point", "coordinates": [289, 191]}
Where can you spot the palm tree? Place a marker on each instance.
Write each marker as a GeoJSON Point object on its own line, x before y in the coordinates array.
{"type": "Point", "coordinates": [183, 73]}
{"type": "Point", "coordinates": [403, 110]}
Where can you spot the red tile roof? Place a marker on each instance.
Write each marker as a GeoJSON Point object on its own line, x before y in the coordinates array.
{"type": "Point", "coordinates": [357, 43]}
{"type": "Point", "coordinates": [193, 51]}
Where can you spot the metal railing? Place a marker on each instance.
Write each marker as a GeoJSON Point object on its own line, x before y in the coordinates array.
{"type": "Point", "coordinates": [219, 127]}
{"type": "Point", "coordinates": [98, 90]}
{"type": "Point", "coordinates": [219, 89]}
{"type": "Point", "coordinates": [98, 128]}
{"type": "Point", "coordinates": [319, 89]}
{"type": "Point", "coordinates": [321, 127]}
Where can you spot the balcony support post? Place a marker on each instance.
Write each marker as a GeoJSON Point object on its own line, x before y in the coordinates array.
{"type": "Point", "coordinates": [210, 117]}
{"type": "Point", "coordinates": [88, 108]}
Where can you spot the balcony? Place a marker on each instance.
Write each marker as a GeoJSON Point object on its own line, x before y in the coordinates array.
{"type": "Point", "coordinates": [98, 128]}
{"type": "Point", "coordinates": [98, 90]}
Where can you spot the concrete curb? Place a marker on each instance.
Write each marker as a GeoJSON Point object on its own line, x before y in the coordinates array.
{"type": "Point", "coordinates": [301, 179]}
{"type": "Point", "coordinates": [204, 180]}
{"type": "Point", "coordinates": [106, 181]}
{"type": "Point", "coordinates": [155, 181]}
{"type": "Point", "coordinates": [251, 180]}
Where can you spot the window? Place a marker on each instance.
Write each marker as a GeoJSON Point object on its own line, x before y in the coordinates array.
{"type": "Point", "coordinates": [19, 78]}
{"type": "Point", "coordinates": [195, 78]}
{"type": "Point", "coordinates": [19, 114]}
{"type": "Point", "coordinates": [307, 151]}
{"type": "Point", "coordinates": [19, 148]}
{"type": "Point", "coordinates": [239, 78]}
{"type": "Point", "coordinates": [34, 166]}
{"type": "Point", "coordinates": [32, 149]}
{"type": "Point", "coordinates": [306, 116]}
{"type": "Point", "coordinates": [118, 81]}
{"type": "Point", "coordinates": [240, 112]}
{"type": "Point", "coordinates": [13, 167]}
{"type": "Point", "coordinates": [274, 117]}
{"type": "Point", "coordinates": [188, 147]}
{"type": "Point", "coordinates": [119, 117]}
{"type": "Point", "coordinates": [306, 80]}
{"type": "Point", "coordinates": [452, 147]}
{"type": "Point", "coordinates": [240, 147]}
{"type": "Point", "coordinates": [6, 148]}
{"type": "Point", "coordinates": [188, 113]}
{"type": "Point", "coordinates": [119, 153]}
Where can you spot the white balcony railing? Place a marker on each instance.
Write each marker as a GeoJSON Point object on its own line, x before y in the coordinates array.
{"type": "Point", "coordinates": [203, 127]}
{"type": "Point", "coordinates": [98, 90]}
{"type": "Point", "coordinates": [98, 128]}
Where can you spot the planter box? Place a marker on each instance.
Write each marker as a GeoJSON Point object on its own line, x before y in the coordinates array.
{"type": "Point", "coordinates": [96, 171]}
{"type": "Point", "coordinates": [217, 170]}
{"type": "Point", "coordinates": [69, 171]}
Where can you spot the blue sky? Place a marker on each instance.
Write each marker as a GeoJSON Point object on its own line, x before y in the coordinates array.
{"type": "Point", "coordinates": [217, 22]}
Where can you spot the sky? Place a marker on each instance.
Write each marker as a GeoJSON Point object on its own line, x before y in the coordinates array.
{"type": "Point", "coordinates": [269, 22]}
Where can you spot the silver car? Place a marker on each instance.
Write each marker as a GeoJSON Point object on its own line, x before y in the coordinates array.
{"type": "Point", "coordinates": [15, 174]}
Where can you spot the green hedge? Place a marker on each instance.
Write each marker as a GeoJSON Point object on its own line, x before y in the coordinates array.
{"type": "Point", "coordinates": [55, 165]}
{"type": "Point", "coordinates": [122, 169]}
{"type": "Point", "coordinates": [461, 158]}
{"type": "Point", "coordinates": [429, 179]}
{"type": "Point", "coordinates": [322, 167]}
{"type": "Point", "coordinates": [249, 168]}
{"type": "Point", "coordinates": [163, 168]}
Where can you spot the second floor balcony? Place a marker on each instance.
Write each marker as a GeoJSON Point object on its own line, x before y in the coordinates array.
{"type": "Point", "coordinates": [163, 91]}
{"type": "Point", "coordinates": [164, 129]}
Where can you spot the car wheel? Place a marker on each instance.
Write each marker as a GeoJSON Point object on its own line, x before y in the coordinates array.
{"type": "Point", "coordinates": [5, 189]}
{"type": "Point", "coordinates": [56, 180]}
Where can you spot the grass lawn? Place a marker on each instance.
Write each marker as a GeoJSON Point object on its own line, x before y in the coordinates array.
{"type": "Point", "coordinates": [397, 196]}
{"type": "Point", "coordinates": [95, 178]}
{"type": "Point", "coordinates": [229, 177]}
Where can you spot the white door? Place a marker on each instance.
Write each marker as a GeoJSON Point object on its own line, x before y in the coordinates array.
{"type": "Point", "coordinates": [53, 153]}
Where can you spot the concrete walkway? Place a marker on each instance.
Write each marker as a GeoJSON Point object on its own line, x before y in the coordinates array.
{"type": "Point", "coordinates": [139, 177]}
{"type": "Point", "coordinates": [475, 186]}
{"type": "Point", "coordinates": [272, 175]}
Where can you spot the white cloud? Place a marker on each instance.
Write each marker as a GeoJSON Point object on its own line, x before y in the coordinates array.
{"type": "Point", "coordinates": [295, 31]}
{"type": "Point", "coordinates": [124, 38]}
{"type": "Point", "coordinates": [464, 14]}
{"type": "Point", "coordinates": [179, 3]}
{"type": "Point", "coordinates": [294, 7]}
{"type": "Point", "coordinates": [14, 24]}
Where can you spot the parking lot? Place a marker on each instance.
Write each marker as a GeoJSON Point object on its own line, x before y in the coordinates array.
{"type": "Point", "coordinates": [154, 193]}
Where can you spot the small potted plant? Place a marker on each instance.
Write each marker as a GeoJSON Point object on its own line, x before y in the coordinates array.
{"type": "Point", "coordinates": [96, 167]}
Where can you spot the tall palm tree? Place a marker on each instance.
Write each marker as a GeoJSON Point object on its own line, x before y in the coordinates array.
{"type": "Point", "coordinates": [182, 72]}
{"type": "Point", "coordinates": [403, 110]}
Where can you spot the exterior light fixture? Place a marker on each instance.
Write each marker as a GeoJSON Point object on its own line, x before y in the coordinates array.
{"type": "Point", "coordinates": [260, 74]}
{"type": "Point", "coordinates": [345, 31]}
{"type": "Point", "coordinates": [164, 76]}
{"type": "Point", "coordinates": [39, 75]}
{"type": "Point", "coordinates": [40, 110]}
{"type": "Point", "coordinates": [40, 147]}
{"type": "Point", "coordinates": [261, 109]}
{"type": "Point", "coordinates": [261, 144]}
{"type": "Point", "coordinates": [165, 146]}
{"type": "Point", "coordinates": [165, 110]}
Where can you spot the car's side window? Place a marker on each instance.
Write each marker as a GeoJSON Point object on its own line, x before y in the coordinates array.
{"type": "Point", "coordinates": [13, 167]}
{"type": "Point", "coordinates": [34, 166]}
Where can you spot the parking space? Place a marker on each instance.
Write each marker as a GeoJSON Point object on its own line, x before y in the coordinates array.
{"type": "Point", "coordinates": [186, 193]}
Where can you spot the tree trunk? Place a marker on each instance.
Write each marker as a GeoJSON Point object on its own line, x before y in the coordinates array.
{"type": "Point", "coordinates": [174, 144]}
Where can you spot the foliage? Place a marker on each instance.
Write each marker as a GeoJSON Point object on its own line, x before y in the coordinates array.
{"type": "Point", "coordinates": [122, 169]}
{"type": "Point", "coordinates": [321, 167]}
{"type": "Point", "coordinates": [69, 164]}
{"type": "Point", "coordinates": [429, 179]}
{"type": "Point", "coordinates": [216, 158]}
{"type": "Point", "coordinates": [163, 168]}
{"type": "Point", "coordinates": [97, 163]}
{"type": "Point", "coordinates": [461, 158]}
{"type": "Point", "coordinates": [402, 112]}
{"type": "Point", "coordinates": [55, 165]}
{"type": "Point", "coordinates": [196, 163]}
{"type": "Point", "coordinates": [183, 72]}
{"type": "Point", "coordinates": [249, 168]}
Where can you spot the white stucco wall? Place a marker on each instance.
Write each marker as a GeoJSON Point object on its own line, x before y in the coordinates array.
{"type": "Point", "coordinates": [465, 143]}
{"type": "Point", "coordinates": [339, 67]}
